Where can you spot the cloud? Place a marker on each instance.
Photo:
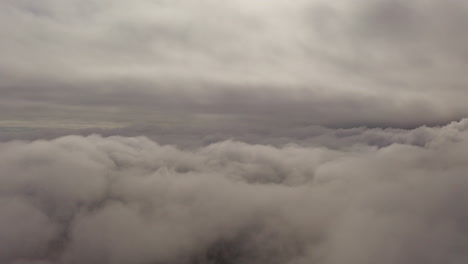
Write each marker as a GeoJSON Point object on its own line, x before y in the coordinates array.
{"type": "Point", "coordinates": [247, 131]}
{"type": "Point", "coordinates": [118, 199]}
{"type": "Point", "coordinates": [331, 63]}
{"type": "Point", "coordinates": [208, 130]}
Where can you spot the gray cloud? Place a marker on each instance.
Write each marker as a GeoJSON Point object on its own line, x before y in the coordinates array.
{"type": "Point", "coordinates": [305, 131]}
{"type": "Point", "coordinates": [204, 131]}
{"type": "Point", "coordinates": [130, 200]}
{"type": "Point", "coordinates": [370, 63]}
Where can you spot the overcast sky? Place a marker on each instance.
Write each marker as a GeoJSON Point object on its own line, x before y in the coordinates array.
{"type": "Point", "coordinates": [233, 132]}
{"type": "Point", "coordinates": [101, 63]}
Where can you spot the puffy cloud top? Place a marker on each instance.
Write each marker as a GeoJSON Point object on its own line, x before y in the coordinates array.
{"type": "Point", "coordinates": [130, 200]}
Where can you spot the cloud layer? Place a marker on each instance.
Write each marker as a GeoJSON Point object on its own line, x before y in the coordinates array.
{"type": "Point", "coordinates": [233, 131]}
{"type": "Point", "coordinates": [333, 63]}
{"type": "Point", "coordinates": [130, 200]}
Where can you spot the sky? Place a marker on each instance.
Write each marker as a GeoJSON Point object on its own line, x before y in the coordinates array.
{"type": "Point", "coordinates": [192, 63]}
{"type": "Point", "coordinates": [233, 131]}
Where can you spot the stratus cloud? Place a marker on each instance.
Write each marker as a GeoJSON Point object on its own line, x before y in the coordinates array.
{"type": "Point", "coordinates": [339, 63]}
{"type": "Point", "coordinates": [130, 200]}
{"type": "Point", "coordinates": [204, 133]}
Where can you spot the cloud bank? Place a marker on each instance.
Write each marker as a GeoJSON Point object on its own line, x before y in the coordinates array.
{"type": "Point", "coordinates": [123, 200]}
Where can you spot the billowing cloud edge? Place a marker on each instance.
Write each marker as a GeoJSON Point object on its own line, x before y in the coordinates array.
{"type": "Point", "coordinates": [116, 199]}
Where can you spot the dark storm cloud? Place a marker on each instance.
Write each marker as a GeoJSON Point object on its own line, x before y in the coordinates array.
{"type": "Point", "coordinates": [333, 63]}
{"type": "Point", "coordinates": [129, 200]}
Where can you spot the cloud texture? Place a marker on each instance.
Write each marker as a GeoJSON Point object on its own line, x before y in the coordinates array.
{"type": "Point", "coordinates": [288, 132]}
{"type": "Point", "coordinates": [129, 200]}
{"type": "Point", "coordinates": [334, 63]}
